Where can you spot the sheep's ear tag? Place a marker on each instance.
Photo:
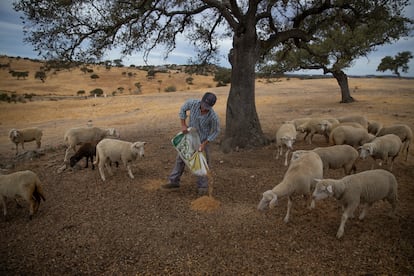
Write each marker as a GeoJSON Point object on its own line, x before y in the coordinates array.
{"type": "Point", "coordinates": [329, 188]}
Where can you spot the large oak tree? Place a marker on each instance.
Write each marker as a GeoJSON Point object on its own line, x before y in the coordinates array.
{"type": "Point", "coordinates": [84, 29]}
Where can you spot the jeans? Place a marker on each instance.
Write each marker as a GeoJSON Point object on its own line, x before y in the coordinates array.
{"type": "Point", "coordinates": [178, 170]}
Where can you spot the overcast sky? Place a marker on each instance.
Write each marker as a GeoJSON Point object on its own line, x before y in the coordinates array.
{"type": "Point", "coordinates": [11, 44]}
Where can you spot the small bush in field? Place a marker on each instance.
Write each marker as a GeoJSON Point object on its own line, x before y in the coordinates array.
{"type": "Point", "coordinates": [170, 88]}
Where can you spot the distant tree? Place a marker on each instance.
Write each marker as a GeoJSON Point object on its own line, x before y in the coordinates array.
{"type": "Point", "coordinates": [96, 92]}
{"type": "Point", "coordinates": [151, 74]}
{"type": "Point", "coordinates": [170, 88]}
{"type": "Point", "coordinates": [94, 77]}
{"type": "Point", "coordinates": [394, 64]}
{"type": "Point", "coordinates": [189, 80]}
{"type": "Point", "coordinates": [139, 87]}
{"type": "Point", "coordinates": [41, 75]}
{"type": "Point", "coordinates": [19, 74]}
{"type": "Point", "coordinates": [223, 76]}
{"type": "Point", "coordinates": [341, 42]}
{"type": "Point", "coordinates": [118, 63]}
{"type": "Point", "coordinates": [80, 92]}
{"type": "Point", "coordinates": [84, 69]}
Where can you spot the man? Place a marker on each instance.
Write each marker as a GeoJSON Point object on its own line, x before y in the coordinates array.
{"type": "Point", "coordinates": [205, 120]}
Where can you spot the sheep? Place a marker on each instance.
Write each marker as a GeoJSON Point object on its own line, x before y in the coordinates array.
{"type": "Point", "coordinates": [374, 127]}
{"type": "Point", "coordinates": [331, 127]}
{"type": "Point", "coordinates": [87, 150]}
{"type": "Point", "coordinates": [298, 179]}
{"type": "Point", "coordinates": [298, 122]}
{"type": "Point", "coordinates": [362, 120]}
{"type": "Point", "coordinates": [76, 136]}
{"type": "Point", "coordinates": [285, 137]}
{"type": "Point", "coordinates": [350, 135]}
{"type": "Point", "coordinates": [316, 126]}
{"type": "Point", "coordinates": [25, 184]}
{"type": "Point", "coordinates": [403, 131]}
{"type": "Point", "coordinates": [19, 136]}
{"type": "Point", "coordinates": [112, 150]}
{"type": "Point", "coordinates": [338, 156]}
{"type": "Point", "coordinates": [365, 187]}
{"type": "Point", "coordinates": [382, 148]}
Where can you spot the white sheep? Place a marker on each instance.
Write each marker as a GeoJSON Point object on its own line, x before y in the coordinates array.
{"type": "Point", "coordinates": [76, 136]}
{"type": "Point", "coordinates": [362, 120]}
{"type": "Point", "coordinates": [403, 131]}
{"type": "Point", "coordinates": [384, 147]}
{"type": "Point", "coordinates": [25, 184]}
{"type": "Point", "coordinates": [338, 156]}
{"type": "Point", "coordinates": [20, 136]}
{"type": "Point", "coordinates": [350, 136]}
{"type": "Point", "coordinates": [316, 126]}
{"type": "Point", "coordinates": [298, 180]}
{"type": "Point", "coordinates": [365, 187]}
{"type": "Point", "coordinates": [112, 150]}
{"type": "Point", "coordinates": [331, 127]}
{"type": "Point", "coordinates": [285, 137]}
{"type": "Point", "coordinates": [374, 127]}
{"type": "Point", "coordinates": [298, 122]}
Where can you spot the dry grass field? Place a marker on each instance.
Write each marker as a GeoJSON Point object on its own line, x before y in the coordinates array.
{"type": "Point", "coordinates": [128, 227]}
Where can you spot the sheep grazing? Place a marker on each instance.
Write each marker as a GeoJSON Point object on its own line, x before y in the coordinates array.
{"type": "Point", "coordinates": [285, 137]}
{"type": "Point", "coordinates": [384, 147]}
{"type": "Point", "coordinates": [374, 127]}
{"type": "Point", "coordinates": [20, 136]}
{"type": "Point", "coordinates": [298, 122]}
{"type": "Point", "coordinates": [298, 180]}
{"type": "Point", "coordinates": [87, 150]}
{"type": "Point", "coordinates": [350, 136]}
{"type": "Point", "coordinates": [403, 131]}
{"type": "Point", "coordinates": [331, 127]}
{"type": "Point", "coordinates": [365, 187]}
{"type": "Point", "coordinates": [316, 126]}
{"type": "Point", "coordinates": [25, 184]}
{"type": "Point", "coordinates": [76, 136]}
{"type": "Point", "coordinates": [338, 156]}
{"type": "Point", "coordinates": [112, 150]}
{"type": "Point", "coordinates": [362, 120]}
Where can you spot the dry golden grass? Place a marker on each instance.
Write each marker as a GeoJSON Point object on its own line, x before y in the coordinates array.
{"type": "Point", "coordinates": [69, 82]}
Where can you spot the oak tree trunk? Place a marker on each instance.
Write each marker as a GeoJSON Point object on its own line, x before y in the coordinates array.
{"type": "Point", "coordinates": [342, 80]}
{"type": "Point", "coordinates": [243, 127]}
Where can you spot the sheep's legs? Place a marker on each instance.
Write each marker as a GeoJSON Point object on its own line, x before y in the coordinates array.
{"type": "Point", "coordinates": [108, 168]}
{"type": "Point", "coordinates": [129, 171]}
{"type": "Point", "coordinates": [286, 156]}
{"type": "Point", "coordinates": [101, 171]}
{"type": "Point", "coordinates": [66, 160]}
{"type": "Point", "coordinates": [289, 206]}
{"type": "Point", "coordinates": [348, 211]}
{"type": "Point", "coordinates": [32, 208]}
{"type": "Point", "coordinates": [364, 211]}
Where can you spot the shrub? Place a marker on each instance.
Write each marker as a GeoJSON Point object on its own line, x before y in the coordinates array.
{"type": "Point", "coordinates": [94, 76]}
{"type": "Point", "coordinates": [80, 92]}
{"type": "Point", "coordinates": [96, 92]}
{"type": "Point", "coordinates": [189, 80]}
{"type": "Point", "coordinates": [170, 88]}
{"type": "Point", "coordinates": [41, 75]}
{"type": "Point", "coordinates": [222, 76]}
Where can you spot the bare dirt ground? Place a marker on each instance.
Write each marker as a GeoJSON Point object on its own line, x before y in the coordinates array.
{"type": "Point", "coordinates": [127, 227]}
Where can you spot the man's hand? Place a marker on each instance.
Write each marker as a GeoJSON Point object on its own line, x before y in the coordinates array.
{"type": "Point", "coordinates": [184, 129]}
{"type": "Point", "coordinates": [202, 146]}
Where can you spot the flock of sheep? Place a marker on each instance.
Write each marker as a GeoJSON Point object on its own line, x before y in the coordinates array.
{"type": "Point", "coordinates": [94, 141]}
{"type": "Point", "coordinates": [349, 138]}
